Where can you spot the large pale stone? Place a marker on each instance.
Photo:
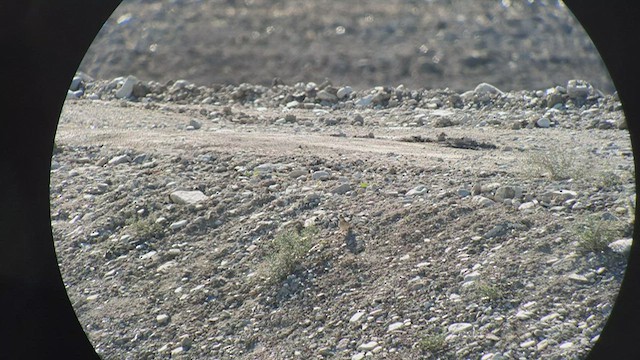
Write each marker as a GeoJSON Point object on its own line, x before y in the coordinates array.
{"type": "Point", "coordinates": [187, 197]}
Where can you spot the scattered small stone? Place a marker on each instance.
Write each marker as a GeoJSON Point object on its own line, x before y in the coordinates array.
{"type": "Point", "coordinates": [578, 89]}
{"type": "Point", "coordinates": [178, 225]}
{"type": "Point", "coordinates": [527, 344]}
{"type": "Point", "coordinates": [121, 159]}
{"type": "Point", "coordinates": [324, 95]}
{"type": "Point", "coordinates": [507, 192]}
{"type": "Point", "coordinates": [343, 92]}
{"type": "Point", "coordinates": [464, 193]}
{"type": "Point", "coordinates": [358, 120]}
{"type": "Point", "coordinates": [341, 189]}
{"type": "Point", "coordinates": [622, 246]}
{"type": "Point", "coordinates": [177, 351]}
{"type": "Point", "coordinates": [395, 326]}
{"type": "Point", "coordinates": [126, 89]}
{"type": "Point", "coordinates": [459, 327]}
{"type": "Point", "coordinates": [187, 197]}
{"type": "Point", "coordinates": [442, 122]}
{"type": "Point", "coordinates": [368, 346]}
{"type": "Point", "coordinates": [290, 118]}
{"type": "Point", "coordinates": [482, 201]}
{"type": "Point", "coordinates": [578, 278]}
{"type": "Point", "coordinates": [163, 319]}
{"type": "Point", "coordinates": [543, 123]}
{"type": "Point", "coordinates": [418, 190]}
{"type": "Point", "coordinates": [320, 175]}
{"type": "Point", "coordinates": [484, 88]}
{"type": "Point", "coordinates": [549, 317]}
{"type": "Point", "coordinates": [194, 125]}
{"type": "Point", "coordinates": [357, 316]}
{"type": "Point", "coordinates": [565, 345]}
{"type": "Point", "coordinates": [364, 101]}
{"type": "Point", "coordinates": [527, 206]}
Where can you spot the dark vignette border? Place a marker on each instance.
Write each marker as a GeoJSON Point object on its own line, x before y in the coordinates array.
{"type": "Point", "coordinates": [42, 44]}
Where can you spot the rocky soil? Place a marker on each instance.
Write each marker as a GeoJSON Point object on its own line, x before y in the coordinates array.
{"type": "Point", "coordinates": [456, 44]}
{"type": "Point", "coordinates": [205, 222]}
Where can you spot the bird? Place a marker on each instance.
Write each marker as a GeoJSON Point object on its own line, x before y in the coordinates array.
{"type": "Point", "coordinates": [343, 224]}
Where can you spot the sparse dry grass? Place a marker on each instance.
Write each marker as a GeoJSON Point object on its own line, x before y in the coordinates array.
{"type": "Point", "coordinates": [595, 234]}
{"type": "Point", "coordinates": [289, 249]}
{"type": "Point", "coordinates": [432, 343]}
{"type": "Point", "coordinates": [556, 164]}
{"type": "Point", "coordinates": [146, 228]}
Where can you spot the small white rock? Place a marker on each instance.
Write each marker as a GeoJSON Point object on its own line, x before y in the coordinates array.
{"type": "Point", "coordinates": [177, 351]}
{"type": "Point", "coordinates": [187, 197]}
{"type": "Point", "coordinates": [527, 344]}
{"type": "Point", "coordinates": [162, 319]}
{"type": "Point", "coordinates": [368, 346]}
{"type": "Point", "coordinates": [482, 201]}
{"type": "Point", "coordinates": [418, 190]}
{"type": "Point", "coordinates": [178, 225]}
{"type": "Point", "coordinates": [566, 345]}
{"type": "Point", "coordinates": [357, 316]}
{"type": "Point", "coordinates": [119, 160]}
{"type": "Point", "coordinates": [395, 326]}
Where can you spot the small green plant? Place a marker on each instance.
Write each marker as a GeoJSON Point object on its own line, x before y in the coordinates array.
{"type": "Point", "coordinates": [595, 234]}
{"type": "Point", "coordinates": [146, 228]}
{"type": "Point", "coordinates": [289, 250]}
{"type": "Point", "coordinates": [486, 290]}
{"type": "Point", "coordinates": [364, 185]}
{"type": "Point", "coordinates": [432, 343]}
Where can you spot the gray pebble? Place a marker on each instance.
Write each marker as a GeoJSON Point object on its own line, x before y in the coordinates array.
{"type": "Point", "coordinates": [127, 87]}
{"type": "Point", "coordinates": [459, 327]}
{"type": "Point", "coordinates": [484, 88]}
{"type": "Point", "coordinates": [325, 95]}
{"type": "Point", "coordinates": [364, 101]}
{"type": "Point", "coordinates": [116, 160]}
{"type": "Point", "coordinates": [195, 124]}
{"type": "Point", "coordinates": [343, 92]}
{"type": "Point", "coordinates": [178, 225]}
{"type": "Point", "coordinates": [75, 83]}
{"type": "Point", "coordinates": [543, 123]}
{"type": "Point", "coordinates": [163, 319]}
{"type": "Point", "coordinates": [418, 190]}
{"type": "Point", "coordinates": [577, 89]}
{"type": "Point", "coordinates": [341, 189]}
{"type": "Point", "coordinates": [368, 346]}
{"type": "Point", "coordinates": [320, 175]}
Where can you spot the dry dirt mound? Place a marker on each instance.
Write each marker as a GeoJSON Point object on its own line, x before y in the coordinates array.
{"type": "Point", "coordinates": [205, 223]}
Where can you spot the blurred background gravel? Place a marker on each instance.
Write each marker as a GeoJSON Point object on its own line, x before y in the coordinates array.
{"type": "Point", "coordinates": [513, 45]}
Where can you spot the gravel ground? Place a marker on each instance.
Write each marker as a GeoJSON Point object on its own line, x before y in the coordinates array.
{"type": "Point", "coordinates": [319, 221]}
{"type": "Point", "coordinates": [456, 44]}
